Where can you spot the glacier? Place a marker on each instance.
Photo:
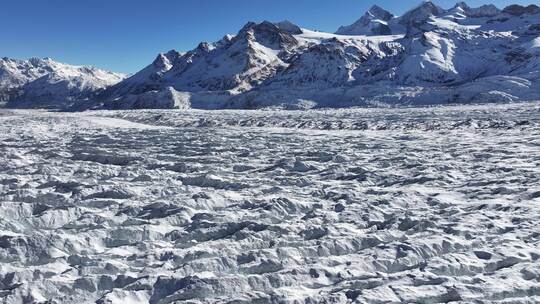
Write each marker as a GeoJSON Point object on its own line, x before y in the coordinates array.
{"type": "Point", "coordinates": [408, 205]}
{"type": "Point", "coordinates": [407, 172]}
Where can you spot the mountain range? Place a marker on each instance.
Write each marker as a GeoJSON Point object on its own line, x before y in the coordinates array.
{"type": "Point", "coordinates": [429, 55]}
{"type": "Point", "coordinates": [45, 83]}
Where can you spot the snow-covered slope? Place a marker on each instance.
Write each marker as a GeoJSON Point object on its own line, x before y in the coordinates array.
{"type": "Point", "coordinates": [429, 55]}
{"type": "Point", "coordinates": [235, 63]}
{"type": "Point", "coordinates": [374, 22]}
{"type": "Point", "coordinates": [46, 83]}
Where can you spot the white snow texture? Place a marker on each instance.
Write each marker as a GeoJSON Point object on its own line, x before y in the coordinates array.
{"type": "Point", "coordinates": [349, 199]}
{"type": "Point", "coordinates": [417, 205]}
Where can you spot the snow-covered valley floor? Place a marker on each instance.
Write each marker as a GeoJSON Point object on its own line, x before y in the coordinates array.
{"type": "Point", "coordinates": [427, 205]}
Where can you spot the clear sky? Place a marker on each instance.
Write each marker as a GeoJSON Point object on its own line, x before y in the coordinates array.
{"type": "Point", "coordinates": [126, 35]}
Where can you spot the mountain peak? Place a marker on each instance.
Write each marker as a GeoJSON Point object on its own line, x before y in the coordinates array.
{"type": "Point", "coordinates": [270, 34]}
{"type": "Point", "coordinates": [204, 47]}
{"type": "Point", "coordinates": [162, 62]}
{"type": "Point", "coordinates": [35, 60]}
{"type": "Point", "coordinates": [488, 10]}
{"type": "Point", "coordinates": [428, 6]}
{"type": "Point", "coordinates": [377, 12]}
{"type": "Point", "coordinates": [289, 27]}
{"type": "Point", "coordinates": [420, 14]}
{"type": "Point", "coordinates": [373, 22]}
{"type": "Point", "coordinates": [265, 24]}
{"type": "Point", "coordinates": [518, 10]}
{"type": "Point", "coordinates": [462, 5]}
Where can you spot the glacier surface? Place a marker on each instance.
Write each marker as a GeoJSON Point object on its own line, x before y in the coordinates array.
{"type": "Point", "coordinates": [415, 205]}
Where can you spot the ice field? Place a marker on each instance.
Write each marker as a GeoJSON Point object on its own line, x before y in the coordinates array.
{"type": "Point", "coordinates": [419, 205]}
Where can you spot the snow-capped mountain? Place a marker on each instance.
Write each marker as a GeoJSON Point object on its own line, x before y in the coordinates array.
{"type": "Point", "coordinates": [378, 21]}
{"type": "Point", "coordinates": [429, 55]}
{"type": "Point", "coordinates": [374, 22]}
{"type": "Point", "coordinates": [233, 65]}
{"type": "Point", "coordinates": [46, 83]}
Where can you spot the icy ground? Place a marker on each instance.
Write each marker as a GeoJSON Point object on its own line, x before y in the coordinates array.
{"type": "Point", "coordinates": [425, 205]}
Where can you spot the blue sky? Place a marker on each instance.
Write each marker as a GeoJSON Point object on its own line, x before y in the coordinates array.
{"type": "Point", "coordinates": [126, 35]}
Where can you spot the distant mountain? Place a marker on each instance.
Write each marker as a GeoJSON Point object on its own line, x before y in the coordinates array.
{"type": "Point", "coordinates": [233, 65]}
{"type": "Point", "coordinates": [429, 55]}
{"type": "Point", "coordinates": [378, 21]}
{"type": "Point", "coordinates": [374, 22]}
{"type": "Point", "coordinates": [44, 83]}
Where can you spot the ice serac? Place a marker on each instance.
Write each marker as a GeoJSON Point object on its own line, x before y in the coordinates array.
{"type": "Point", "coordinates": [374, 22]}
{"type": "Point", "coordinates": [45, 83]}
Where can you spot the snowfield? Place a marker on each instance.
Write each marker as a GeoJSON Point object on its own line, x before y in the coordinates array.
{"type": "Point", "coordinates": [418, 205]}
